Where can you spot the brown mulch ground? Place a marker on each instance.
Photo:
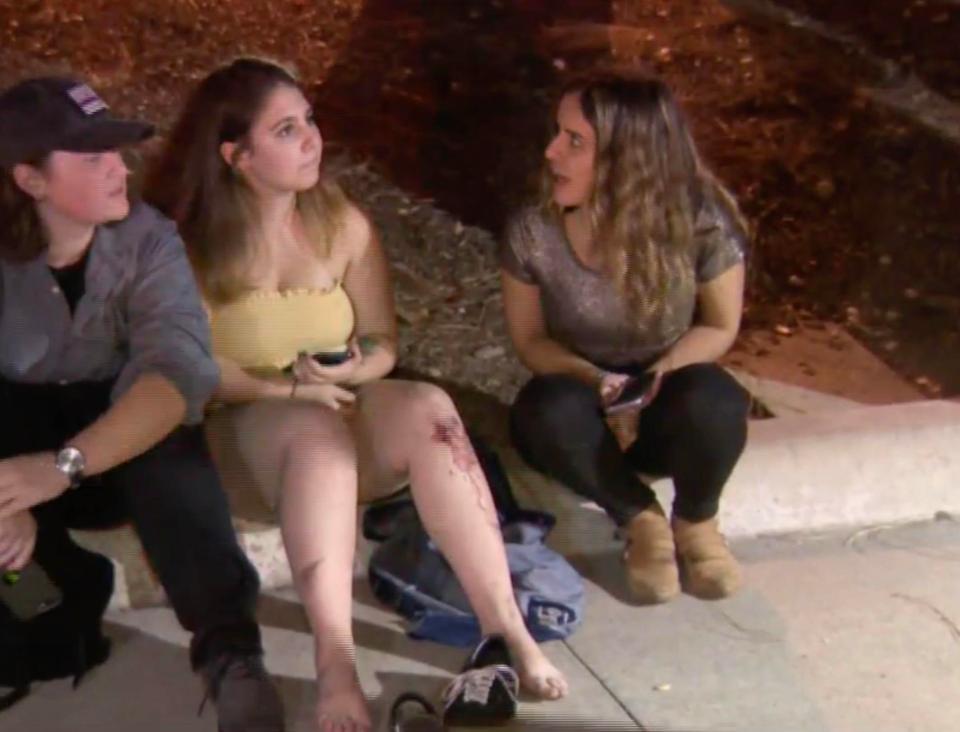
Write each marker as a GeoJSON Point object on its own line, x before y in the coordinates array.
{"type": "Point", "coordinates": [854, 208]}
{"type": "Point", "coordinates": [143, 54]}
{"type": "Point", "coordinates": [919, 35]}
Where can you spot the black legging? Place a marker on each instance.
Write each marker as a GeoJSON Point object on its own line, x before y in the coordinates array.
{"type": "Point", "coordinates": [694, 431]}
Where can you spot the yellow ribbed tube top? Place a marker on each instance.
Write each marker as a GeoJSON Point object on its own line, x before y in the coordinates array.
{"type": "Point", "coordinates": [264, 331]}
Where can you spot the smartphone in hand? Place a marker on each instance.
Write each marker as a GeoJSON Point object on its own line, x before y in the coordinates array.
{"type": "Point", "coordinates": [636, 394]}
{"type": "Point", "coordinates": [29, 592]}
{"type": "Point", "coordinates": [334, 358]}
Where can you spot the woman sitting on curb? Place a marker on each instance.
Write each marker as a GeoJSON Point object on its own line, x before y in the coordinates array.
{"type": "Point", "coordinates": [632, 263]}
{"type": "Point", "coordinates": [304, 331]}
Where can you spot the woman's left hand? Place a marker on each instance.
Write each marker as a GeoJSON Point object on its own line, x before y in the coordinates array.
{"type": "Point", "coordinates": [308, 371]}
{"type": "Point", "coordinates": [624, 425]}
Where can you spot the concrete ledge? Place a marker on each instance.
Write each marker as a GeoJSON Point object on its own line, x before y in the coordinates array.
{"type": "Point", "coordinates": [137, 585]}
{"type": "Point", "coordinates": [858, 466]}
{"type": "Point", "coordinates": [785, 400]}
{"type": "Point", "coordinates": [850, 466]}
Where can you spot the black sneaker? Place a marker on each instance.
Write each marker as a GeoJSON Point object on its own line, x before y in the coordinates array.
{"type": "Point", "coordinates": [245, 697]}
{"type": "Point", "coordinates": [486, 692]}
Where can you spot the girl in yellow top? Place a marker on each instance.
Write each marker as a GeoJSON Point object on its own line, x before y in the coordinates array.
{"type": "Point", "coordinates": [291, 269]}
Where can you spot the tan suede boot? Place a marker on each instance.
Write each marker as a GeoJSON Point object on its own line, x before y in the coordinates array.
{"type": "Point", "coordinates": [650, 557]}
{"type": "Point", "coordinates": [708, 569]}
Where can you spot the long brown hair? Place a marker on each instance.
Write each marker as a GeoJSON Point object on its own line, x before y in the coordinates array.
{"type": "Point", "coordinates": [649, 184]}
{"type": "Point", "coordinates": [212, 205]}
{"type": "Point", "coordinates": [22, 236]}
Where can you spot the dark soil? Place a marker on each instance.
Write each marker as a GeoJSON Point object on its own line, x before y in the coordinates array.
{"type": "Point", "coordinates": [920, 35]}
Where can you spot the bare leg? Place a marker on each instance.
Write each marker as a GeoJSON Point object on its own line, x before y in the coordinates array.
{"type": "Point", "coordinates": [416, 431]}
{"type": "Point", "coordinates": [305, 455]}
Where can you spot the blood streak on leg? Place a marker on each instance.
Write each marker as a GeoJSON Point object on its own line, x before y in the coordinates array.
{"type": "Point", "coordinates": [449, 431]}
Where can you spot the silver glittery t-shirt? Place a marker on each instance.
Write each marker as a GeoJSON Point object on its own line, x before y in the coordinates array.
{"type": "Point", "coordinates": [582, 308]}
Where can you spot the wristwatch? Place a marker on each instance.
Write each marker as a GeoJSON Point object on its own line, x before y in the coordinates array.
{"type": "Point", "coordinates": [71, 463]}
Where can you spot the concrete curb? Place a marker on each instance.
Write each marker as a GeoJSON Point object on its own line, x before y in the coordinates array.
{"type": "Point", "coordinates": [865, 465]}
{"type": "Point", "coordinates": [136, 585]}
{"type": "Point", "coordinates": [785, 400]}
{"type": "Point", "coordinates": [840, 466]}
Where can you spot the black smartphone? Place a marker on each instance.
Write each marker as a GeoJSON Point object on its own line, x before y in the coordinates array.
{"type": "Point", "coordinates": [333, 358]}
{"type": "Point", "coordinates": [29, 592]}
{"type": "Point", "coordinates": [637, 393]}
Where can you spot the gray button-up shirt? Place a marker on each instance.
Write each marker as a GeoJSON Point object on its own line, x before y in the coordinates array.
{"type": "Point", "coordinates": [140, 313]}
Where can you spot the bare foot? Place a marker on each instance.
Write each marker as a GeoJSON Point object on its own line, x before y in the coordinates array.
{"type": "Point", "coordinates": [341, 705]}
{"type": "Point", "coordinates": [537, 674]}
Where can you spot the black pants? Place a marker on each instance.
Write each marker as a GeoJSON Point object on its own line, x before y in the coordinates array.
{"type": "Point", "coordinates": [694, 431]}
{"type": "Point", "coordinates": [171, 494]}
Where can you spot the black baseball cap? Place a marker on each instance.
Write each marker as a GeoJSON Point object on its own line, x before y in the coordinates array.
{"type": "Point", "coordinates": [38, 116]}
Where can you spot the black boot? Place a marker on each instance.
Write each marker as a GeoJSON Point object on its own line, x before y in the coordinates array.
{"type": "Point", "coordinates": [245, 697]}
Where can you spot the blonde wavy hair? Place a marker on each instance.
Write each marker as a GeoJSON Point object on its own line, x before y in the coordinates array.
{"type": "Point", "coordinates": [212, 205]}
{"type": "Point", "coordinates": [649, 184]}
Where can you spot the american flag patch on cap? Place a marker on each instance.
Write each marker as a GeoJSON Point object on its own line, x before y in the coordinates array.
{"type": "Point", "coordinates": [87, 99]}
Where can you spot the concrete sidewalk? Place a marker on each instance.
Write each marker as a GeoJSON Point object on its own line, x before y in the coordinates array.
{"type": "Point", "coordinates": [840, 632]}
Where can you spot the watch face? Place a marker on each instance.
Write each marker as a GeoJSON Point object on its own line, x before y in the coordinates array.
{"type": "Point", "coordinates": [70, 461]}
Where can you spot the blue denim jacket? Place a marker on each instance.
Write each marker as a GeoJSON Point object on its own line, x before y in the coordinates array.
{"type": "Point", "coordinates": [140, 313]}
{"type": "Point", "coordinates": [408, 573]}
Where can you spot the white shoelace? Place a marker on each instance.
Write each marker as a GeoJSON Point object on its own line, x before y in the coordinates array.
{"type": "Point", "coordinates": [477, 683]}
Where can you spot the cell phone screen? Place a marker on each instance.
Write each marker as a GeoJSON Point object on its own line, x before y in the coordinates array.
{"type": "Point", "coordinates": [332, 359]}
{"type": "Point", "coordinates": [30, 592]}
{"type": "Point", "coordinates": [636, 394]}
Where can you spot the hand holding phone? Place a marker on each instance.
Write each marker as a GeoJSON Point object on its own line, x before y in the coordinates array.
{"type": "Point", "coordinates": [328, 367]}
{"type": "Point", "coordinates": [636, 394]}
{"type": "Point", "coordinates": [326, 358]}
{"type": "Point", "coordinates": [333, 358]}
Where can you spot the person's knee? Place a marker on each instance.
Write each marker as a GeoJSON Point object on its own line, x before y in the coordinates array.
{"type": "Point", "coordinates": [710, 404]}
{"type": "Point", "coordinates": [553, 402]}
{"type": "Point", "coordinates": [550, 412]}
{"type": "Point", "coordinates": [424, 400]}
{"type": "Point", "coordinates": [429, 416]}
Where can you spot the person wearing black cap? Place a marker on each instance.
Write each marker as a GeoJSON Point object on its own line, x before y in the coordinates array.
{"type": "Point", "coordinates": [105, 368]}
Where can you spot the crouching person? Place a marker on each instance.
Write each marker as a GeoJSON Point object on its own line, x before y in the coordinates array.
{"type": "Point", "coordinates": [105, 368]}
